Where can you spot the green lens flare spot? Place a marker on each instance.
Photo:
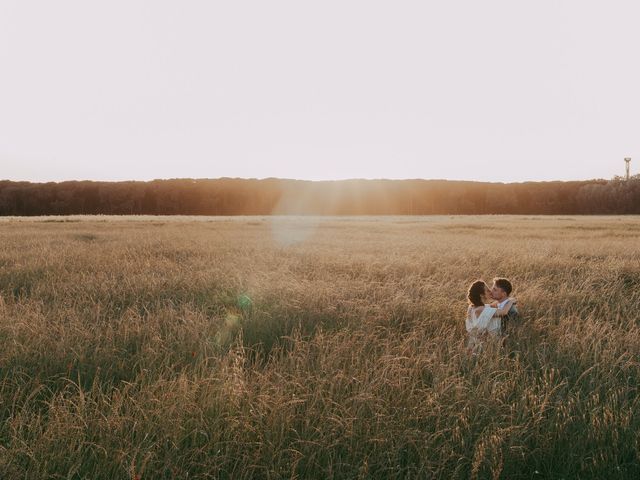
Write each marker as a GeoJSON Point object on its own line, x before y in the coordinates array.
{"type": "Point", "coordinates": [244, 302]}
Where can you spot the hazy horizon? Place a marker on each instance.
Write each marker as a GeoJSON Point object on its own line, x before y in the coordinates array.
{"type": "Point", "coordinates": [495, 91]}
{"type": "Point", "coordinates": [300, 179]}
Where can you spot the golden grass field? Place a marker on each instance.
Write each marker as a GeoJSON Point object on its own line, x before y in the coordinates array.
{"type": "Point", "coordinates": [303, 347]}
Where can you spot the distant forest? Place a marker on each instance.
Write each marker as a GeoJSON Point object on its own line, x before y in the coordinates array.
{"type": "Point", "coordinates": [234, 196]}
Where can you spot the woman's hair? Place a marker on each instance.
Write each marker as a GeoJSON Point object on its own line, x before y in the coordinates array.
{"type": "Point", "coordinates": [476, 291]}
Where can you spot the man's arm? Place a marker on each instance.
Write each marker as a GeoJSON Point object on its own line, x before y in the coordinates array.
{"type": "Point", "coordinates": [513, 313]}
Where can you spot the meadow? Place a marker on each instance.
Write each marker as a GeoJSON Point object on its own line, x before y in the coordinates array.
{"type": "Point", "coordinates": [309, 347]}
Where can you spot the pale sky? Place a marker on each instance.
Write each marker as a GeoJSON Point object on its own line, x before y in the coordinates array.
{"type": "Point", "coordinates": [507, 90]}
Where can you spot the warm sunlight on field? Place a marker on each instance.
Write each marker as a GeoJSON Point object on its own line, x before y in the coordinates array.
{"type": "Point", "coordinates": [258, 347]}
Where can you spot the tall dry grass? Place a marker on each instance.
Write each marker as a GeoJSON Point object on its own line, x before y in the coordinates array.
{"type": "Point", "coordinates": [241, 348]}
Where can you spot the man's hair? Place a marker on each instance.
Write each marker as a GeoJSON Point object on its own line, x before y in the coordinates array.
{"type": "Point", "coordinates": [504, 284]}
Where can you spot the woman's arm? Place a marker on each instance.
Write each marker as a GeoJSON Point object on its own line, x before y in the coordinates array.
{"type": "Point", "coordinates": [472, 324]}
{"type": "Point", "coordinates": [507, 306]}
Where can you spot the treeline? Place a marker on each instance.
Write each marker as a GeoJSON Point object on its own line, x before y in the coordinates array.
{"type": "Point", "coordinates": [234, 196]}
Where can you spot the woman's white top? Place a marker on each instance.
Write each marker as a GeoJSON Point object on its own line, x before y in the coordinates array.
{"type": "Point", "coordinates": [483, 322]}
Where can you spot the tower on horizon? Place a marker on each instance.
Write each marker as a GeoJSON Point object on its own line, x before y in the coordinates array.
{"type": "Point", "coordinates": [627, 162]}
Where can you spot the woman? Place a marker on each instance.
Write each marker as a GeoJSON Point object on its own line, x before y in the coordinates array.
{"type": "Point", "coordinates": [483, 317]}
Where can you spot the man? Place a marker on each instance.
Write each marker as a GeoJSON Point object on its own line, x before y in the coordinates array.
{"type": "Point", "coordinates": [500, 292]}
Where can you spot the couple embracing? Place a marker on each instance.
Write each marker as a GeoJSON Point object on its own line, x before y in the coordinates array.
{"type": "Point", "coordinates": [491, 310]}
